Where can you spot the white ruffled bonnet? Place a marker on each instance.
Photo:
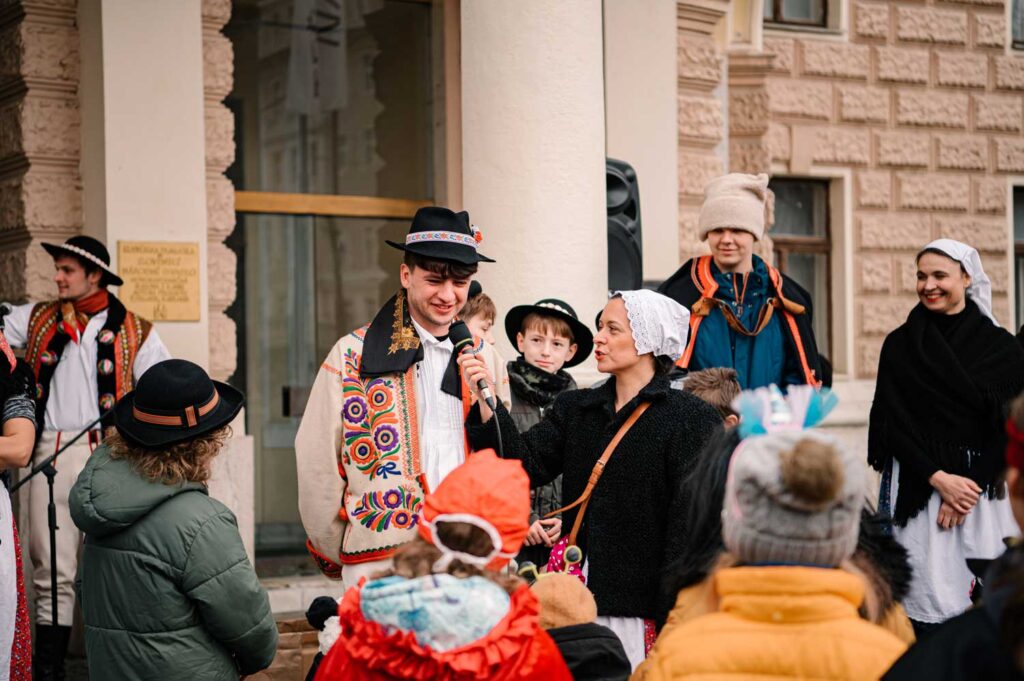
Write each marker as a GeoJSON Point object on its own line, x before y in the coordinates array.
{"type": "Point", "coordinates": [660, 325]}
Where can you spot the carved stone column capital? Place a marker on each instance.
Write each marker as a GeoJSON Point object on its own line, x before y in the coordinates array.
{"type": "Point", "coordinates": [40, 141]}
{"type": "Point", "coordinates": [700, 16]}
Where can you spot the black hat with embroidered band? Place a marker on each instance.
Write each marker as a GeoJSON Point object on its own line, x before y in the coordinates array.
{"type": "Point", "coordinates": [553, 307]}
{"type": "Point", "coordinates": [175, 401]}
{"type": "Point", "coordinates": [443, 234]}
{"type": "Point", "coordinates": [87, 248]}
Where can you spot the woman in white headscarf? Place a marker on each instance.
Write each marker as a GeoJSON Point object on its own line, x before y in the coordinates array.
{"type": "Point", "coordinates": [945, 378]}
{"type": "Point", "coordinates": [625, 530]}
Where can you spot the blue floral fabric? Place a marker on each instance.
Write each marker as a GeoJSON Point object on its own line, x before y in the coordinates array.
{"type": "Point", "coordinates": [442, 611]}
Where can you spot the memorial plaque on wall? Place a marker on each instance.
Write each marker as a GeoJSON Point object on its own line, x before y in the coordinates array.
{"type": "Point", "coordinates": [161, 279]}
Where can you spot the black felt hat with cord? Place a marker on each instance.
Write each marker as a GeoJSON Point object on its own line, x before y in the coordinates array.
{"type": "Point", "coordinates": [87, 248]}
{"type": "Point", "coordinates": [175, 401]}
{"type": "Point", "coordinates": [443, 234]}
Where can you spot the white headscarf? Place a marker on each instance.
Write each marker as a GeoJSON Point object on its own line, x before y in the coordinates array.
{"type": "Point", "coordinates": [980, 290]}
{"type": "Point", "coordinates": [660, 325]}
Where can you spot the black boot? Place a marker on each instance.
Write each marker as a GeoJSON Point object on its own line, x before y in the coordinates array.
{"type": "Point", "coordinates": [48, 651]}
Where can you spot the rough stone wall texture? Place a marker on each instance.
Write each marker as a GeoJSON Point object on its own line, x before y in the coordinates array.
{"type": "Point", "coordinates": [40, 185]}
{"type": "Point", "coordinates": [924, 102]}
{"type": "Point", "coordinates": [702, 123]}
{"type": "Point", "coordinates": [218, 74]}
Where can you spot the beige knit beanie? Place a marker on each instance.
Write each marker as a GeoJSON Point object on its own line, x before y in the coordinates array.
{"type": "Point", "coordinates": [564, 601]}
{"type": "Point", "coordinates": [734, 201]}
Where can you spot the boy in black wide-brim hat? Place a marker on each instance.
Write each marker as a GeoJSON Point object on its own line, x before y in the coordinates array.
{"type": "Point", "coordinates": [550, 338]}
{"type": "Point", "coordinates": [166, 588]}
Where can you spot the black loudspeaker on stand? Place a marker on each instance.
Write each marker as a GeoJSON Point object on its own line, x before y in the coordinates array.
{"type": "Point", "coordinates": [625, 239]}
{"type": "Point", "coordinates": [47, 468]}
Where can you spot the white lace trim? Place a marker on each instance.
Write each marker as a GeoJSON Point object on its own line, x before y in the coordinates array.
{"type": "Point", "coordinates": [659, 324]}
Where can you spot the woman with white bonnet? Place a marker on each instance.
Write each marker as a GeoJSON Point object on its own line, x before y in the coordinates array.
{"type": "Point", "coordinates": [945, 378]}
{"type": "Point", "coordinates": [647, 433]}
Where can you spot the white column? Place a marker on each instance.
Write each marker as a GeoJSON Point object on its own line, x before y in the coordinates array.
{"type": "Point", "coordinates": [144, 169]}
{"type": "Point", "coordinates": [143, 144]}
{"type": "Point", "coordinates": [641, 105]}
{"type": "Point", "coordinates": [533, 150]}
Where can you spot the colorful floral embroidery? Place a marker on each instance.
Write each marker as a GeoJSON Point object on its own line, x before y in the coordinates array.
{"type": "Point", "coordinates": [370, 422]}
{"type": "Point", "coordinates": [379, 511]}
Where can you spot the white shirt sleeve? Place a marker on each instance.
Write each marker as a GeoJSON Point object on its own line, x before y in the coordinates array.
{"type": "Point", "coordinates": [16, 325]}
{"type": "Point", "coordinates": [153, 351]}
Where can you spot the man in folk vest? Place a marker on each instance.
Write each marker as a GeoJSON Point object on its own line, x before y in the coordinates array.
{"type": "Point", "coordinates": [87, 351]}
{"type": "Point", "coordinates": [744, 313]}
{"type": "Point", "coordinates": [384, 421]}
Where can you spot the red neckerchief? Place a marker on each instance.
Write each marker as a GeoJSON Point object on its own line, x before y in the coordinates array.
{"type": "Point", "coordinates": [5, 349]}
{"type": "Point", "coordinates": [76, 313]}
{"type": "Point", "coordinates": [1014, 446]}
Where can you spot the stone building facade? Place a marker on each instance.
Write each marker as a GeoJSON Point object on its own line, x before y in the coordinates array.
{"type": "Point", "coordinates": [911, 110]}
{"type": "Point", "coordinates": [119, 118]}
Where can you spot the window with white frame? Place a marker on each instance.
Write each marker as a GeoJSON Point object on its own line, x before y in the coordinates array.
{"type": "Point", "coordinates": [803, 245]}
{"type": "Point", "coordinates": [1017, 24]}
{"type": "Point", "coordinates": [797, 12]}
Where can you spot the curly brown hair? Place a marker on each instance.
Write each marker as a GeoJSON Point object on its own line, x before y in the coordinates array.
{"type": "Point", "coordinates": [417, 558]}
{"type": "Point", "coordinates": [187, 461]}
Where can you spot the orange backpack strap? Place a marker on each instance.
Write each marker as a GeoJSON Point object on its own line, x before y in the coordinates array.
{"type": "Point", "coordinates": [706, 284]}
{"type": "Point", "coordinates": [789, 309]}
{"type": "Point", "coordinates": [598, 470]}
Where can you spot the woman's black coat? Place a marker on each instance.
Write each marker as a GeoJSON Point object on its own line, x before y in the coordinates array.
{"type": "Point", "coordinates": [633, 524]}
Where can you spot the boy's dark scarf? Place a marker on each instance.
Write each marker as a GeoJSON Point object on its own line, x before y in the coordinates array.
{"type": "Point", "coordinates": [536, 386]}
{"type": "Point", "coordinates": [943, 383]}
{"type": "Point", "coordinates": [392, 345]}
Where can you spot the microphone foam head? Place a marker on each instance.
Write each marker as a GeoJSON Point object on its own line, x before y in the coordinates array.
{"type": "Point", "coordinates": [460, 335]}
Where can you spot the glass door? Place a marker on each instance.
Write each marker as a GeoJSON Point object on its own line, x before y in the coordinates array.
{"type": "Point", "coordinates": [336, 148]}
{"type": "Point", "coordinates": [308, 280]}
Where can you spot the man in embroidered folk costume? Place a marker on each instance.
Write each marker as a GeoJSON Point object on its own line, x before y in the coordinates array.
{"type": "Point", "coordinates": [744, 313]}
{"type": "Point", "coordinates": [86, 351]}
{"type": "Point", "coordinates": [384, 421]}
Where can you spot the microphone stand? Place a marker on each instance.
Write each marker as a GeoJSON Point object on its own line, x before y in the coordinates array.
{"type": "Point", "coordinates": [46, 468]}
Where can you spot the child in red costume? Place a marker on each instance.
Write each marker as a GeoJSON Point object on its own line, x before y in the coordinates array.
{"type": "Point", "coordinates": [446, 610]}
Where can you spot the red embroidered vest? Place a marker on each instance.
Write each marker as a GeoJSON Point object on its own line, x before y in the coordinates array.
{"type": "Point", "coordinates": [118, 343]}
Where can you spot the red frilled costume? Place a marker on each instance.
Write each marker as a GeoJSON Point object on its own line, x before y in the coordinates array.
{"type": "Point", "coordinates": [382, 641]}
{"type": "Point", "coordinates": [515, 649]}
{"type": "Point", "coordinates": [15, 402]}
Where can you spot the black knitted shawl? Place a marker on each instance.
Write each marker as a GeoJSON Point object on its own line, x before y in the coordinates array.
{"type": "Point", "coordinates": [943, 385]}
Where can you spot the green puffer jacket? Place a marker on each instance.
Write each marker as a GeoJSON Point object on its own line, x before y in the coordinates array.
{"type": "Point", "coordinates": [166, 589]}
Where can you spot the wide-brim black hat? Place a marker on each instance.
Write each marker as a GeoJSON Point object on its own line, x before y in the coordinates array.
{"type": "Point", "coordinates": [443, 234]}
{"type": "Point", "coordinates": [175, 401]}
{"type": "Point", "coordinates": [553, 307]}
{"type": "Point", "coordinates": [90, 249]}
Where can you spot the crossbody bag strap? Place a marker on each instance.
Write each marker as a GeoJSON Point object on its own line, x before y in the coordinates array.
{"type": "Point", "coordinates": [598, 470]}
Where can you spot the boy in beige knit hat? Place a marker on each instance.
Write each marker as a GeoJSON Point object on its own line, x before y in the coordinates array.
{"type": "Point", "coordinates": [745, 314]}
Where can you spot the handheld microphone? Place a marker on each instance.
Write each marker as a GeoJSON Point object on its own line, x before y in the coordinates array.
{"type": "Point", "coordinates": [462, 339]}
